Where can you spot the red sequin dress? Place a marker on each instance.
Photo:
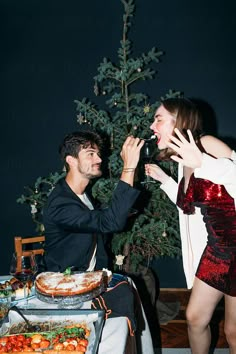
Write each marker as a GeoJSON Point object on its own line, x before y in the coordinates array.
{"type": "Point", "coordinates": [217, 266]}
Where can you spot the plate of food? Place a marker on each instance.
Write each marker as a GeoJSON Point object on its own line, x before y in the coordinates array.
{"type": "Point", "coordinates": [70, 290]}
{"type": "Point", "coordinates": [80, 330]}
{"type": "Point", "coordinates": [12, 290]}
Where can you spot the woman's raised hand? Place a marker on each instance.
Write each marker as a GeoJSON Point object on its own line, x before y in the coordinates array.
{"type": "Point", "coordinates": [188, 153]}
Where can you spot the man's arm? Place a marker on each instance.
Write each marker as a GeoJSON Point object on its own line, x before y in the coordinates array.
{"type": "Point", "coordinates": [130, 154]}
{"type": "Point", "coordinates": [69, 214]}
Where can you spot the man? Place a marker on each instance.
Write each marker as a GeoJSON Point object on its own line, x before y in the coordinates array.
{"type": "Point", "coordinates": [73, 228]}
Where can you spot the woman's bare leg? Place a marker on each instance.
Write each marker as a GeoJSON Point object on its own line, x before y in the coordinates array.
{"type": "Point", "coordinates": [230, 322]}
{"type": "Point", "coordinates": [200, 308]}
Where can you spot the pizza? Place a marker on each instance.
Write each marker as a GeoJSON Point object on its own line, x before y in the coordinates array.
{"type": "Point", "coordinates": [60, 284]}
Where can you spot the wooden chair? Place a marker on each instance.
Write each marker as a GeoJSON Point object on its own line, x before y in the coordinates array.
{"type": "Point", "coordinates": [20, 243]}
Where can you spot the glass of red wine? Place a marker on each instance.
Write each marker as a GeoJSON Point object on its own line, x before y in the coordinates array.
{"type": "Point", "coordinates": [24, 269]}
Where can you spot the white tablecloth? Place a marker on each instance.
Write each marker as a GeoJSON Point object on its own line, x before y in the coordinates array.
{"type": "Point", "coordinates": [115, 337]}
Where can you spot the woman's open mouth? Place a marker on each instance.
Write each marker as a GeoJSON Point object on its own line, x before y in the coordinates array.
{"type": "Point", "coordinates": [158, 138]}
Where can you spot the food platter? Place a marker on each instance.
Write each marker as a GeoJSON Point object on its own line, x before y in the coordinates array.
{"type": "Point", "coordinates": [70, 290]}
{"type": "Point", "coordinates": [93, 320]}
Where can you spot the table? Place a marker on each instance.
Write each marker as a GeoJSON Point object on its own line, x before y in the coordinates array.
{"type": "Point", "coordinates": [115, 337]}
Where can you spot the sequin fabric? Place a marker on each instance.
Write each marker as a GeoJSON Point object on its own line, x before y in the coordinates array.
{"type": "Point", "coordinates": [217, 266]}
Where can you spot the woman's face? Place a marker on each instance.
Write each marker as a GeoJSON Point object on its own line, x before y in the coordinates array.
{"type": "Point", "coordinates": [163, 126]}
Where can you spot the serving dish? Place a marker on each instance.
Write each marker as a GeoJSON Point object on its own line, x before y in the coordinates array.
{"type": "Point", "coordinates": [9, 295]}
{"type": "Point", "coordinates": [70, 302]}
{"type": "Point", "coordinates": [93, 319]}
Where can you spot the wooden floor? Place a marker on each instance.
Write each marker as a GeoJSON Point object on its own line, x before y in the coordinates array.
{"type": "Point", "coordinates": [174, 333]}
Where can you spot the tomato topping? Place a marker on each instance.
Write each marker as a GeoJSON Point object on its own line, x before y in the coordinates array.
{"type": "Point", "coordinates": [81, 348]}
{"type": "Point", "coordinates": [35, 345]}
{"type": "Point", "coordinates": [83, 342]}
{"type": "Point", "coordinates": [70, 347]}
{"type": "Point", "coordinates": [3, 340]}
{"type": "Point", "coordinates": [20, 337]}
{"type": "Point", "coordinates": [44, 343]}
{"type": "Point", "coordinates": [58, 346]}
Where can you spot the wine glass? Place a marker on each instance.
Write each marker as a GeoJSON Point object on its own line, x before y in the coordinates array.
{"type": "Point", "coordinates": [147, 153]}
{"type": "Point", "coordinates": [24, 268]}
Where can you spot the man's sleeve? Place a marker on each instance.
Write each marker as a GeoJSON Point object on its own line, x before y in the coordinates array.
{"type": "Point", "coordinates": [69, 214]}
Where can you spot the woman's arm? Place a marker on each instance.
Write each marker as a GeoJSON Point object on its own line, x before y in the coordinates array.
{"type": "Point", "coordinates": [170, 187]}
{"type": "Point", "coordinates": [216, 165]}
{"type": "Point", "coordinates": [215, 147]}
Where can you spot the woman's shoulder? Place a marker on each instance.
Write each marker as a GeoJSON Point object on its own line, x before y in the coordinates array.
{"type": "Point", "coordinates": [215, 147]}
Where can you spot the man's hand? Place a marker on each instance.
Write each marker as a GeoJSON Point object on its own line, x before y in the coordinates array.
{"type": "Point", "coordinates": [130, 152]}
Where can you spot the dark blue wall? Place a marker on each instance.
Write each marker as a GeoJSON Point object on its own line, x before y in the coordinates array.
{"type": "Point", "coordinates": [50, 51]}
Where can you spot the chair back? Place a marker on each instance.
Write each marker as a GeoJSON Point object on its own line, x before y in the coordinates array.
{"type": "Point", "coordinates": [21, 242]}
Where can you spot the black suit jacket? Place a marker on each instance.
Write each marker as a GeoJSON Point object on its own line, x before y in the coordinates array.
{"type": "Point", "coordinates": [72, 229]}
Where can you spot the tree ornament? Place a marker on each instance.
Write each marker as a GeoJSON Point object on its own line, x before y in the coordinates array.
{"type": "Point", "coordinates": [96, 89]}
{"type": "Point", "coordinates": [33, 209]}
{"type": "Point", "coordinates": [164, 234]}
{"type": "Point", "coordinates": [80, 118]}
{"type": "Point", "coordinates": [146, 109]}
{"type": "Point", "coordinates": [135, 127]}
{"type": "Point", "coordinates": [115, 103]}
{"type": "Point", "coordinates": [104, 93]}
{"type": "Point", "coordinates": [112, 140]}
{"type": "Point", "coordinates": [139, 70]}
{"type": "Point", "coordinates": [120, 260]}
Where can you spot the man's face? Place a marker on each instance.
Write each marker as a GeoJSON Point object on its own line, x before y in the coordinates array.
{"type": "Point", "coordinates": [89, 162]}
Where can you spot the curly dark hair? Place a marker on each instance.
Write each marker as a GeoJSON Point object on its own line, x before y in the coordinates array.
{"type": "Point", "coordinates": [76, 141]}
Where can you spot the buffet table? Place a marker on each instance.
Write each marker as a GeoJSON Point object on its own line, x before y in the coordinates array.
{"type": "Point", "coordinates": [115, 336]}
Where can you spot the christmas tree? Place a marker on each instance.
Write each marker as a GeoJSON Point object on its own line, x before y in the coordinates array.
{"type": "Point", "coordinates": [152, 228]}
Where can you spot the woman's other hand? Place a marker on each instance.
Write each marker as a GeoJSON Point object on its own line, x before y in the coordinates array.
{"type": "Point", "coordinates": [156, 173]}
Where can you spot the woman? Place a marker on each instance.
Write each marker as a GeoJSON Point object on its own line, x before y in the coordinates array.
{"type": "Point", "coordinates": [207, 186]}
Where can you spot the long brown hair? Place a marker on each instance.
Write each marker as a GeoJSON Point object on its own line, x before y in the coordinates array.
{"type": "Point", "coordinates": [187, 117]}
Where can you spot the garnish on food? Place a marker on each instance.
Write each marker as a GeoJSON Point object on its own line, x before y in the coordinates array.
{"type": "Point", "coordinates": [67, 271]}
